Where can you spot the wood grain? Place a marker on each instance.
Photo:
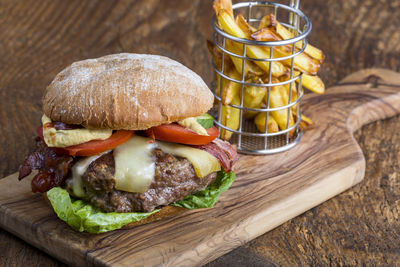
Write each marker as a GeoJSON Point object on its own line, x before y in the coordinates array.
{"type": "Point", "coordinates": [269, 190]}
{"type": "Point", "coordinates": [39, 38]}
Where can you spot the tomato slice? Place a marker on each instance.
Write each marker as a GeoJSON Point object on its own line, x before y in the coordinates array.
{"type": "Point", "coordinates": [178, 134]}
{"type": "Point", "coordinates": [93, 147]}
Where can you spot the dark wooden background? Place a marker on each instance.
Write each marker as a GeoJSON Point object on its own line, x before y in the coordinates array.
{"type": "Point", "coordinates": [39, 38]}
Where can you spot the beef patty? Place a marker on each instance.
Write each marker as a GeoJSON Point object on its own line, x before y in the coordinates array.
{"type": "Point", "coordinates": [174, 179]}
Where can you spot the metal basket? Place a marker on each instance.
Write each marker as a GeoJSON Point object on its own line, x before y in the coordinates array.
{"type": "Point", "coordinates": [246, 136]}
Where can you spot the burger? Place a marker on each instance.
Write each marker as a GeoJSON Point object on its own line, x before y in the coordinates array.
{"type": "Point", "coordinates": [124, 140]}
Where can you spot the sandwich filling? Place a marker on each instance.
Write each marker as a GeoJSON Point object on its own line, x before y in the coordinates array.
{"type": "Point", "coordinates": [174, 178]}
{"type": "Point", "coordinates": [54, 137]}
{"type": "Point", "coordinates": [139, 175]}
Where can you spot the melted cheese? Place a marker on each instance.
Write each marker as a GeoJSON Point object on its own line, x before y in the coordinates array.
{"type": "Point", "coordinates": [64, 138]}
{"type": "Point", "coordinates": [192, 124]}
{"type": "Point", "coordinates": [203, 162]}
{"type": "Point", "coordinates": [134, 165]}
{"type": "Point", "coordinates": [78, 170]}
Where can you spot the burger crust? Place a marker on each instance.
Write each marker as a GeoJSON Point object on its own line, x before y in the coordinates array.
{"type": "Point", "coordinates": [126, 91]}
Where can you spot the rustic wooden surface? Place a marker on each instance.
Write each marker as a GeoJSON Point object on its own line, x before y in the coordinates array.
{"type": "Point", "coordinates": [39, 38]}
{"type": "Point", "coordinates": [268, 190]}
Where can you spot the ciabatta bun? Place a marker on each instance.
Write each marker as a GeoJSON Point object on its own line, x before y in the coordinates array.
{"type": "Point", "coordinates": [126, 91]}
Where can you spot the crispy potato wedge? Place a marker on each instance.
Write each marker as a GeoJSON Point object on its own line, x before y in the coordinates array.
{"type": "Point", "coordinates": [310, 50]}
{"type": "Point", "coordinates": [231, 89]}
{"type": "Point", "coordinates": [265, 34]}
{"type": "Point", "coordinates": [281, 116]}
{"type": "Point", "coordinates": [253, 98]}
{"type": "Point", "coordinates": [305, 122]}
{"type": "Point", "coordinates": [230, 117]}
{"type": "Point", "coordinates": [287, 87]}
{"type": "Point", "coordinates": [259, 121]}
{"type": "Point", "coordinates": [287, 90]}
{"type": "Point", "coordinates": [313, 83]}
{"type": "Point", "coordinates": [250, 66]}
{"type": "Point", "coordinates": [238, 50]}
{"type": "Point", "coordinates": [302, 62]}
{"type": "Point", "coordinates": [254, 69]}
{"type": "Point", "coordinates": [270, 21]}
{"type": "Point", "coordinates": [267, 21]}
{"type": "Point", "coordinates": [306, 119]}
{"type": "Point", "coordinates": [217, 57]}
{"type": "Point", "coordinates": [223, 4]}
{"type": "Point", "coordinates": [229, 25]}
{"type": "Point", "coordinates": [217, 80]}
{"type": "Point", "coordinates": [242, 23]}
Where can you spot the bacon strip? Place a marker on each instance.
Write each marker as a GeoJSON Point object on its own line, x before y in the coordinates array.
{"type": "Point", "coordinates": [223, 151]}
{"type": "Point", "coordinates": [53, 168]}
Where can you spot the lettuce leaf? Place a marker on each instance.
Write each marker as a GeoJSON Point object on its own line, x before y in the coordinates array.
{"type": "Point", "coordinates": [84, 217]}
{"type": "Point", "coordinates": [205, 120]}
{"type": "Point", "coordinates": [208, 197]}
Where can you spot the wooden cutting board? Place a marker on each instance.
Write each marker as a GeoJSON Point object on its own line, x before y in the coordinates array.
{"type": "Point", "coordinates": [268, 191]}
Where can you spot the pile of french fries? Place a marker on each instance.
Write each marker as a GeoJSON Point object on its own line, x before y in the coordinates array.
{"type": "Point", "coordinates": [308, 63]}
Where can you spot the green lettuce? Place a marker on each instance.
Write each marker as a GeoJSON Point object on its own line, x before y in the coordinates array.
{"type": "Point", "coordinates": [82, 216]}
{"type": "Point", "coordinates": [208, 197]}
{"type": "Point", "coordinates": [205, 120]}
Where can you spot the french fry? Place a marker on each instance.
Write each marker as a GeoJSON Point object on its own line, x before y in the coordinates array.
{"type": "Point", "coordinates": [238, 50]}
{"type": "Point", "coordinates": [217, 80]}
{"type": "Point", "coordinates": [267, 21]}
{"type": "Point", "coordinates": [281, 116]}
{"type": "Point", "coordinates": [253, 98]}
{"type": "Point", "coordinates": [223, 4]}
{"type": "Point", "coordinates": [217, 61]}
{"type": "Point", "coordinates": [310, 50]}
{"type": "Point", "coordinates": [230, 117]}
{"type": "Point", "coordinates": [230, 88]}
{"type": "Point", "coordinates": [307, 63]}
{"type": "Point", "coordinates": [265, 34]}
{"type": "Point", "coordinates": [270, 21]}
{"type": "Point", "coordinates": [229, 25]}
{"type": "Point", "coordinates": [284, 93]}
{"type": "Point", "coordinates": [313, 83]}
{"type": "Point", "coordinates": [242, 23]}
{"type": "Point", "coordinates": [217, 57]}
{"type": "Point", "coordinates": [259, 121]}
{"type": "Point", "coordinates": [304, 126]}
{"type": "Point", "coordinates": [237, 62]}
{"type": "Point", "coordinates": [254, 69]}
{"type": "Point", "coordinates": [302, 62]}
{"type": "Point", "coordinates": [305, 122]}
{"type": "Point", "coordinates": [286, 88]}
{"type": "Point", "coordinates": [306, 119]}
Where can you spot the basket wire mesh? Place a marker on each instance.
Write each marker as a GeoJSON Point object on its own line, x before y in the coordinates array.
{"type": "Point", "coordinates": [246, 136]}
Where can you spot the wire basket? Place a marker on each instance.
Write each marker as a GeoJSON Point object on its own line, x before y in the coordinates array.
{"type": "Point", "coordinates": [248, 139]}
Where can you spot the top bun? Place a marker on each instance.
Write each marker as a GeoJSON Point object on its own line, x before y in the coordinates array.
{"type": "Point", "coordinates": [126, 91]}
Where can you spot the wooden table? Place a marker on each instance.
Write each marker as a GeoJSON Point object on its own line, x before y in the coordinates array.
{"type": "Point", "coordinates": [40, 38]}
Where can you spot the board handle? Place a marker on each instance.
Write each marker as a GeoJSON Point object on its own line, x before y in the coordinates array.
{"type": "Point", "coordinates": [362, 97]}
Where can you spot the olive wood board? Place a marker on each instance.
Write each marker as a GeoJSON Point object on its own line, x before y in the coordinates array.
{"type": "Point", "coordinates": [268, 191]}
